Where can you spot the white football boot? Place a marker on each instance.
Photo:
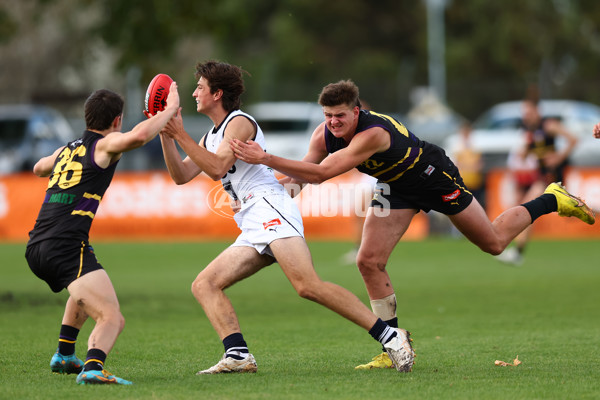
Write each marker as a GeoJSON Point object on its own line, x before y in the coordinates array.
{"type": "Point", "coordinates": [400, 350]}
{"type": "Point", "coordinates": [228, 364]}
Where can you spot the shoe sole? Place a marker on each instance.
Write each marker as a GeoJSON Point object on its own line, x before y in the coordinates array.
{"type": "Point", "coordinates": [248, 367]}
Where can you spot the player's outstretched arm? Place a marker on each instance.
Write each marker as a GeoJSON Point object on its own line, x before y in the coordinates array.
{"type": "Point", "coordinates": [361, 147]}
{"type": "Point", "coordinates": [116, 143]}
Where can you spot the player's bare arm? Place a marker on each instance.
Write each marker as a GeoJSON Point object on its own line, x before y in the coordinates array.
{"type": "Point", "coordinates": [215, 165]}
{"type": "Point", "coordinates": [361, 147]}
{"type": "Point", "coordinates": [317, 151]}
{"type": "Point", "coordinates": [181, 171]}
{"type": "Point", "coordinates": [109, 148]}
{"type": "Point", "coordinates": [43, 167]}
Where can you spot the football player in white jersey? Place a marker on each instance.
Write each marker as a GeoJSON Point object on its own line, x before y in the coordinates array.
{"type": "Point", "coordinates": [270, 222]}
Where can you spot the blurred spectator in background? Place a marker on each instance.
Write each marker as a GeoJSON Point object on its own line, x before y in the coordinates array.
{"type": "Point", "coordinates": [469, 162]}
{"type": "Point", "coordinates": [541, 135]}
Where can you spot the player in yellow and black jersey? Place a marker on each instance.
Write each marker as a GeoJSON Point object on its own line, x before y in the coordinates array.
{"type": "Point", "coordinates": [412, 175]}
{"type": "Point", "coordinates": [75, 188]}
{"type": "Point", "coordinates": [58, 250]}
{"type": "Point", "coordinates": [407, 169]}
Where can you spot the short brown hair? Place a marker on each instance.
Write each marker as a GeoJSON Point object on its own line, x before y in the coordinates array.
{"type": "Point", "coordinates": [227, 77]}
{"type": "Point", "coordinates": [342, 92]}
{"type": "Point", "coordinates": [101, 109]}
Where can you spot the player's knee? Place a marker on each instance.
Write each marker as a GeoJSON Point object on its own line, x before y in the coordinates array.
{"type": "Point", "coordinates": [113, 317]}
{"type": "Point", "coordinates": [121, 322]}
{"type": "Point", "coordinates": [493, 248]}
{"type": "Point", "coordinates": [198, 287]}
{"type": "Point", "coordinates": [202, 287]}
{"type": "Point", "coordinates": [308, 292]}
{"type": "Point", "coordinates": [369, 262]}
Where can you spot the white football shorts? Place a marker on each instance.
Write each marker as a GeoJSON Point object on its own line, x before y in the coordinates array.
{"type": "Point", "coordinates": [269, 218]}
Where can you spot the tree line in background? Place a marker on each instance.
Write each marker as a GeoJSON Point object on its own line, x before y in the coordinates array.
{"type": "Point", "coordinates": [57, 51]}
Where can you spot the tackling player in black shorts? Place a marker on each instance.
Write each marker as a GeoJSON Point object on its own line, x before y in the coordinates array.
{"type": "Point", "coordinates": [58, 250]}
{"type": "Point", "coordinates": [412, 175]}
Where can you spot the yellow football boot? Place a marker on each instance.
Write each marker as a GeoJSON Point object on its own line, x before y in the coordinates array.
{"type": "Point", "coordinates": [380, 361]}
{"type": "Point", "coordinates": [569, 205]}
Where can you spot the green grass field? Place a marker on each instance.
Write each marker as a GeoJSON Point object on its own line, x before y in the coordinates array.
{"type": "Point", "coordinates": [464, 309]}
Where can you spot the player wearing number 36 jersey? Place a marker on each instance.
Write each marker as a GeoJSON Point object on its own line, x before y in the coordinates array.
{"type": "Point", "coordinates": [75, 189]}
{"type": "Point", "coordinates": [58, 250]}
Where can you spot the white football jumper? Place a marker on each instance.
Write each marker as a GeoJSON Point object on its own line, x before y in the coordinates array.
{"type": "Point", "coordinates": [267, 210]}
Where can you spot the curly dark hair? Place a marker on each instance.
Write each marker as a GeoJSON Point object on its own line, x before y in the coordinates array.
{"type": "Point", "coordinates": [227, 77]}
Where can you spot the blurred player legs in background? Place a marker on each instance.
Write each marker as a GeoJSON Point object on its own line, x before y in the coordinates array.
{"type": "Point", "coordinates": [541, 136]}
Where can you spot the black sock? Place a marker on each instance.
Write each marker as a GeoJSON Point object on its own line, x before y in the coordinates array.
{"type": "Point", "coordinates": [94, 360]}
{"type": "Point", "coordinates": [382, 332]}
{"type": "Point", "coordinates": [545, 204]}
{"type": "Point", "coordinates": [235, 346]}
{"type": "Point", "coordinates": [392, 322]}
{"type": "Point", "coordinates": [67, 339]}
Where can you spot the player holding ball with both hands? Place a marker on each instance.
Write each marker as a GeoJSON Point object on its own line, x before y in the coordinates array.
{"type": "Point", "coordinates": [269, 220]}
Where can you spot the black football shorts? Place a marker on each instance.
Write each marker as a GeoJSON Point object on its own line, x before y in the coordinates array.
{"type": "Point", "coordinates": [59, 262]}
{"type": "Point", "coordinates": [435, 185]}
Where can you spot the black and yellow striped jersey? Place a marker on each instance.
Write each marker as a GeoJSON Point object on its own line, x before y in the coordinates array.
{"type": "Point", "coordinates": [75, 188]}
{"type": "Point", "coordinates": [406, 150]}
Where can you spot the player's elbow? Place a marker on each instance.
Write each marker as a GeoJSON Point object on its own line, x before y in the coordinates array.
{"type": "Point", "coordinates": [180, 181]}
{"type": "Point", "coordinates": [140, 139]}
{"type": "Point", "coordinates": [37, 170]}
{"type": "Point", "coordinates": [40, 170]}
{"type": "Point", "coordinates": [317, 178]}
{"type": "Point", "coordinates": [216, 173]}
{"type": "Point", "coordinates": [179, 177]}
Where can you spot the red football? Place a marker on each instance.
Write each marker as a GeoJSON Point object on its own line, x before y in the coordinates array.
{"type": "Point", "coordinates": [156, 95]}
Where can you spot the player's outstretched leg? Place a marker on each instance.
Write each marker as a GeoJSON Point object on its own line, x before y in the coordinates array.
{"type": "Point", "coordinates": [230, 364]}
{"type": "Point", "coordinates": [569, 205]}
{"type": "Point", "coordinates": [66, 364]}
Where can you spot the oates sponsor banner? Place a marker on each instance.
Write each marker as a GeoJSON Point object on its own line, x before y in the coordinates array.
{"type": "Point", "coordinates": [148, 205]}
{"type": "Point", "coordinates": [582, 182]}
